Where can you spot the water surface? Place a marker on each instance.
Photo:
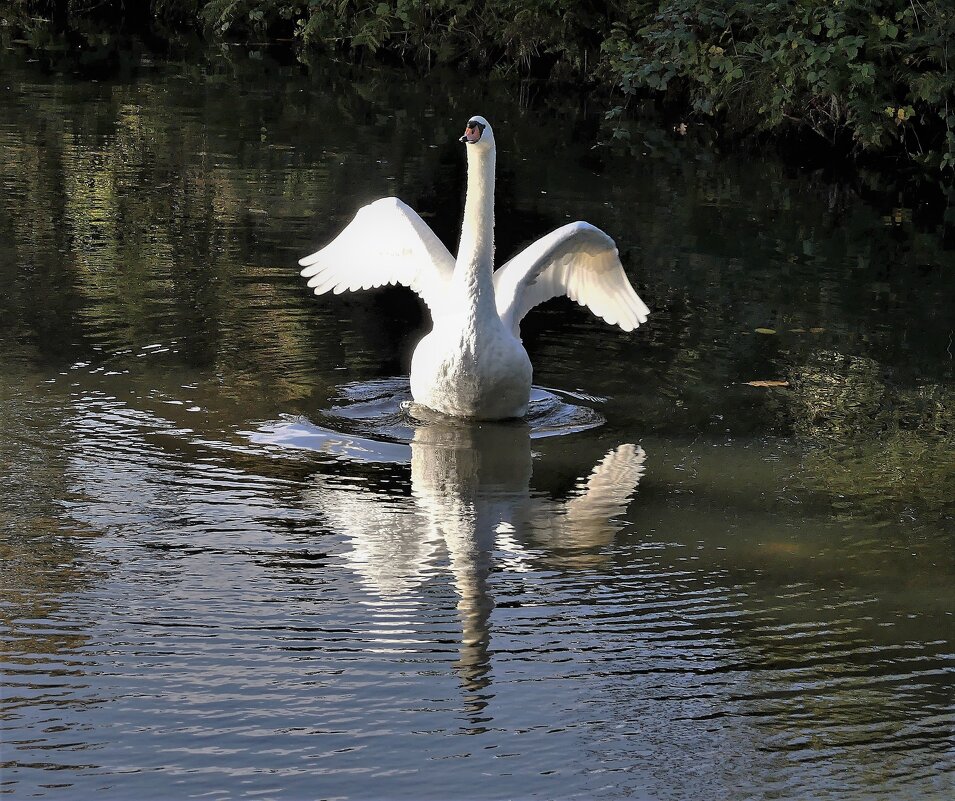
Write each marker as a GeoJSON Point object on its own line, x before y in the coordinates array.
{"type": "Point", "coordinates": [238, 564]}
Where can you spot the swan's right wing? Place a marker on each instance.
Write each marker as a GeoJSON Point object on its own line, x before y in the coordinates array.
{"type": "Point", "coordinates": [578, 260]}
{"type": "Point", "coordinates": [386, 243]}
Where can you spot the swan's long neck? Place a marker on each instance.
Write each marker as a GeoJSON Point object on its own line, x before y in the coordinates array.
{"type": "Point", "coordinates": [475, 262]}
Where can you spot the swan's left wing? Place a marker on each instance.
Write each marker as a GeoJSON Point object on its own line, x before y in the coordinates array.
{"type": "Point", "coordinates": [386, 243]}
{"type": "Point", "coordinates": [577, 260]}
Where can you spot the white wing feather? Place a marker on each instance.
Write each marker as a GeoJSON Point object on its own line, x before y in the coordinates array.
{"type": "Point", "coordinates": [386, 243]}
{"type": "Point", "coordinates": [577, 260]}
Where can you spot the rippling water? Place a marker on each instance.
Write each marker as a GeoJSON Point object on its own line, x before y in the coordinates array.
{"type": "Point", "coordinates": [237, 562]}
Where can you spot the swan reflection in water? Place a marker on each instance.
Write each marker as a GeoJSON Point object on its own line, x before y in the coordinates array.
{"type": "Point", "coordinates": [470, 498]}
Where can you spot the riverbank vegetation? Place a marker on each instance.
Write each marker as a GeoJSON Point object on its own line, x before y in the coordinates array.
{"type": "Point", "coordinates": [869, 78]}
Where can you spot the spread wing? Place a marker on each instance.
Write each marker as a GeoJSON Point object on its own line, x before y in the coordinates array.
{"type": "Point", "coordinates": [386, 243]}
{"type": "Point", "coordinates": [577, 260]}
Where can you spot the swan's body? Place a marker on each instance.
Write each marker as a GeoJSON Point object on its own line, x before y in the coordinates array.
{"type": "Point", "coordinates": [472, 363]}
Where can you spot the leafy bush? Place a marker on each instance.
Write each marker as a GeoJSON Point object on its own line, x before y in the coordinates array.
{"type": "Point", "coordinates": [873, 72]}
{"type": "Point", "coordinates": [502, 34]}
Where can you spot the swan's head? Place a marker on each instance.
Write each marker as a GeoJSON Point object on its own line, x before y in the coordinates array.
{"type": "Point", "coordinates": [478, 133]}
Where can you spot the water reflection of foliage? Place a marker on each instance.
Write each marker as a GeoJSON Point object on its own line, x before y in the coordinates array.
{"type": "Point", "coordinates": [131, 205]}
{"type": "Point", "coordinates": [858, 324]}
{"type": "Point", "coordinates": [43, 557]}
{"type": "Point", "coordinates": [872, 442]}
{"type": "Point", "coordinates": [172, 209]}
{"type": "Point", "coordinates": [164, 206]}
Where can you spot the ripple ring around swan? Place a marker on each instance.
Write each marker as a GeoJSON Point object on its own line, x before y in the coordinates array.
{"type": "Point", "coordinates": [378, 418]}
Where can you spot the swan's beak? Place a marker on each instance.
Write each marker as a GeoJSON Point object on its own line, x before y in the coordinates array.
{"type": "Point", "coordinates": [473, 132]}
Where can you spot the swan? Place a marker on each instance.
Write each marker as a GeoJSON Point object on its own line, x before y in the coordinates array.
{"type": "Point", "coordinates": [472, 364]}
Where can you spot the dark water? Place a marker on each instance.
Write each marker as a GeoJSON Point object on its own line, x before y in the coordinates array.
{"type": "Point", "coordinates": [236, 564]}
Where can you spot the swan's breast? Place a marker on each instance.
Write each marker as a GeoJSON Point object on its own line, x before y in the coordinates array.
{"type": "Point", "coordinates": [472, 371]}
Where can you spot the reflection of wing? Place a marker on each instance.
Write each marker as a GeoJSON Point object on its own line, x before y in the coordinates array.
{"type": "Point", "coordinates": [577, 260]}
{"type": "Point", "coordinates": [585, 521]}
{"type": "Point", "coordinates": [607, 490]}
{"type": "Point", "coordinates": [392, 545]}
{"type": "Point", "coordinates": [386, 243]}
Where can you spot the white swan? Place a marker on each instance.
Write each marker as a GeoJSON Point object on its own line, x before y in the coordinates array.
{"type": "Point", "coordinates": [472, 363]}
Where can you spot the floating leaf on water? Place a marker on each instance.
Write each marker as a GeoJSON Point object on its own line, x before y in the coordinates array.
{"type": "Point", "coordinates": [767, 383]}
{"type": "Point", "coordinates": [765, 330]}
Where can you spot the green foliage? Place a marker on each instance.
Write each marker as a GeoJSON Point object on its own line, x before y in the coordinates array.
{"type": "Point", "coordinates": [249, 19]}
{"type": "Point", "coordinates": [503, 35]}
{"type": "Point", "coordinates": [874, 72]}
{"type": "Point", "coordinates": [563, 35]}
{"type": "Point", "coordinates": [871, 74]}
{"type": "Point", "coordinates": [500, 35]}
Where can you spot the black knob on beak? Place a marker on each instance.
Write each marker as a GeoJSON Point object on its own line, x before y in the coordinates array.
{"type": "Point", "coordinates": [472, 132]}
